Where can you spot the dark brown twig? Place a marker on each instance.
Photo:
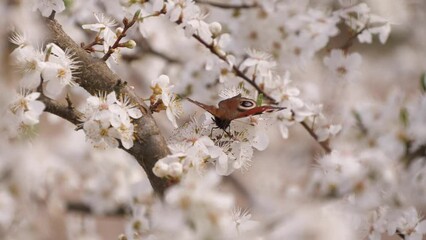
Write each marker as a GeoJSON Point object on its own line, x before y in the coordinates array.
{"type": "Point", "coordinates": [86, 209]}
{"type": "Point", "coordinates": [228, 6]}
{"type": "Point", "coordinates": [323, 144]}
{"type": "Point", "coordinates": [350, 41]}
{"type": "Point", "coordinates": [52, 15]}
{"type": "Point", "coordinates": [61, 110]}
{"type": "Point", "coordinates": [116, 44]}
{"type": "Point", "coordinates": [89, 46]}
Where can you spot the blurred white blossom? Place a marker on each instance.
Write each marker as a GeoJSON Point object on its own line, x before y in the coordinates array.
{"type": "Point", "coordinates": [343, 65]}
{"type": "Point", "coordinates": [47, 6]}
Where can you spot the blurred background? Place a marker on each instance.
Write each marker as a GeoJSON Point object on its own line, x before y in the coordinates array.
{"type": "Point", "coordinates": [54, 185]}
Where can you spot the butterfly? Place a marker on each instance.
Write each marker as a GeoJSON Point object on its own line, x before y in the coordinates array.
{"type": "Point", "coordinates": [234, 108]}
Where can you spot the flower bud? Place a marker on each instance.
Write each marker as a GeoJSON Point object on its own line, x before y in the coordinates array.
{"type": "Point", "coordinates": [175, 170]}
{"type": "Point", "coordinates": [215, 28]}
{"type": "Point", "coordinates": [129, 44]}
{"type": "Point", "coordinates": [160, 169]}
{"type": "Point", "coordinates": [119, 31]}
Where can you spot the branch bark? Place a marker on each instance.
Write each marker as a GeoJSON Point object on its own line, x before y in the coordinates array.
{"type": "Point", "coordinates": [95, 76]}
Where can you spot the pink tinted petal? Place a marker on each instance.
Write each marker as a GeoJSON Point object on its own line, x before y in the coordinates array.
{"type": "Point", "coordinates": [171, 117]}
{"type": "Point", "coordinates": [32, 96]}
{"type": "Point", "coordinates": [165, 97]}
{"type": "Point", "coordinates": [30, 118]}
{"type": "Point", "coordinates": [421, 227]}
{"type": "Point", "coordinates": [134, 113]}
{"type": "Point", "coordinates": [54, 89]}
{"type": "Point", "coordinates": [111, 98]}
{"type": "Point", "coordinates": [112, 142]}
{"type": "Point", "coordinates": [163, 81]}
{"type": "Point", "coordinates": [37, 107]}
{"type": "Point", "coordinates": [30, 80]}
{"type": "Point", "coordinates": [261, 140]}
{"type": "Point", "coordinates": [114, 108]}
{"type": "Point", "coordinates": [175, 13]}
{"type": "Point", "coordinates": [222, 165]}
{"type": "Point", "coordinates": [93, 101]}
{"type": "Point", "coordinates": [127, 143]}
{"type": "Point", "coordinates": [50, 71]}
{"type": "Point", "coordinates": [115, 121]}
{"type": "Point", "coordinates": [283, 130]}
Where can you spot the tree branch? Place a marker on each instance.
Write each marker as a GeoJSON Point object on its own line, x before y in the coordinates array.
{"type": "Point", "coordinates": [61, 110]}
{"type": "Point", "coordinates": [95, 77]}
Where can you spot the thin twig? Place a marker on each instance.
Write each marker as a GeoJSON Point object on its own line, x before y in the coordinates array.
{"type": "Point", "coordinates": [61, 110]}
{"type": "Point", "coordinates": [116, 44]}
{"type": "Point", "coordinates": [52, 15]}
{"type": "Point", "coordinates": [237, 71]}
{"type": "Point", "coordinates": [228, 6]}
{"type": "Point", "coordinates": [350, 41]}
{"type": "Point", "coordinates": [79, 207]}
{"type": "Point", "coordinates": [323, 144]}
{"type": "Point", "coordinates": [89, 46]}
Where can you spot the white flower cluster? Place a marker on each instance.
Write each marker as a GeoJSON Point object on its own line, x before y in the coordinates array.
{"type": "Point", "coordinates": [103, 28]}
{"type": "Point", "coordinates": [56, 67]}
{"type": "Point", "coordinates": [374, 184]}
{"type": "Point", "coordinates": [192, 149]}
{"type": "Point", "coordinates": [404, 221]}
{"type": "Point", "coordinates": [297, 110]}
{"type": "Point", "coordinates": [27, 108]}
{"type": "Point", "coordinates": [191, 18]}
{"type": "Point", "coordinates": [47, 6]}
{"type": "Point", "coordinates": [107, 119]}
{"type": "Point", "coordinates": [360, 19]}
{"type": "Point", "coordinates": [161, 90]}
{"type": "Point", "coordinates": [309, 32]}
{"type": "Point", "coordinates": [345, 65]}
{"type": "Point", "coordinates": [194, 200]}
{"type": "Point", "coordinates": [342, 174]}
{"type": "Point", "coordinates": [109, 188]}
{"type": "Point", "coordinates": [107, 37]}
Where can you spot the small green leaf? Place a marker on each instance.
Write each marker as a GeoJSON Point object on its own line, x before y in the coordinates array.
{"type": "Point", "coordinates": [403, 116]}
{"type": "Point", "coordinates": [423, 82]}
{"type": "Point", "coordinates": [68, 3]}
{"type": "Point", "coordinates": [259, 99]}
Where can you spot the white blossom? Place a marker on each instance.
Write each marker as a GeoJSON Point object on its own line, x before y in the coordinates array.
{"type": "Point", "coordinates": [27, 107]}
{"type": "Point", "coordinates": [359, 18]}
{"type": "Point", "coordinates": [47, 6]}
{"type": "Point", "coordinates": [104, 28]}
{"type": "Point", "coordinates": [59, 71]}
{"type": "Point", "coordinates": [343, 66]}
{"type": "Point", "coordinates": [101, 134]}
{"type": "Point", "coordinates": [174, 110]}
{"type": "Point", "coordinates": [161, 86]}
{"type": "Point", "coordinates": [30, 63]}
